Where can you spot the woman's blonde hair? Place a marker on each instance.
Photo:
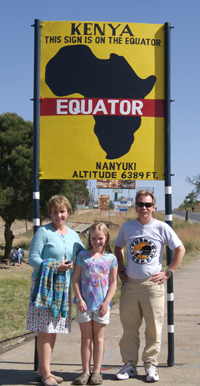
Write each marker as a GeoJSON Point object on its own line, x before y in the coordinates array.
{"type": "Point", "coordinates": [103, 228]}
{"type": "Point", "coordinates": [59, 201]}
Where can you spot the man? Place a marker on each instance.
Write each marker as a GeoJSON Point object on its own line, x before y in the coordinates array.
{"type": "Point", "coordinates": [17, 254]}
{"type": "Point", "coordinates": [142, 291]}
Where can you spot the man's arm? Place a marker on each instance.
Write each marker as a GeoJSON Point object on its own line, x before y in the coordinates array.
{"type": "Point", "coordinates": [179, 253]}
{"type": "Point", "coordinates": [177, 258]}
{"type": "Point", "coordinates": [119, 253]}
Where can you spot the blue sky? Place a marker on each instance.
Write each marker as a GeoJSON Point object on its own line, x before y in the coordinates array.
{"type": "Point", "coordinates": [16, 75]}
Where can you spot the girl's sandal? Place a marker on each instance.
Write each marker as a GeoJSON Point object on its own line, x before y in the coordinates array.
{"type": "Point", "coordinates": [96, 379]}
{"type": "Point", "coordinates": [46, 382]}
{"type": "Point", "coordinates": [82, 379]}
{"type": "Point", "coordinates": [57, 379]}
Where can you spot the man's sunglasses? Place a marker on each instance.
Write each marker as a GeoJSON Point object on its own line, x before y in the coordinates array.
{"type": "Point", "coordinates": [146, 204]}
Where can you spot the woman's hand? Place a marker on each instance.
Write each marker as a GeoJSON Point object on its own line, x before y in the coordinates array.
{"type": "Point", "coordinates": [64, 266]}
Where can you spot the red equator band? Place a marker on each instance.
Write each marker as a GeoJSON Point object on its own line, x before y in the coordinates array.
{"type": "Point", "coordinates": [104, 106]}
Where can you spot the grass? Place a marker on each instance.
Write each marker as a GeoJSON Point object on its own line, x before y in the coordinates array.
{"type": "Point", "coordinates": [16, 281]}
{"type": "Point", "coordinates": [14, 296]}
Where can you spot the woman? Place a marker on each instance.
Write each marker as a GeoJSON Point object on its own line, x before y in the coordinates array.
{"type": "Point", "coordinates": [52, 242]}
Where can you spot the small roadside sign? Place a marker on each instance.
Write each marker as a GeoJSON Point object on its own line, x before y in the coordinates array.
{"type": "Point", "coordinates": [123, 206]}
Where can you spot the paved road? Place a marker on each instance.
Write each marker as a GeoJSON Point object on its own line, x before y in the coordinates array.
{"type": "Point", "coordinates": [194, 217]}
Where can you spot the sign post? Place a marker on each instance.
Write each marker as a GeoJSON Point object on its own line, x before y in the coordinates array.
{"type": "Point", "coordinates": [168, 194]}
{"type": "Point", "coordinates": [36, 121]}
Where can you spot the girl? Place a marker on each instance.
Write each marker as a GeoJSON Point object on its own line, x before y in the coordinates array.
{"type": "Point", "coordinates": [94, 283]}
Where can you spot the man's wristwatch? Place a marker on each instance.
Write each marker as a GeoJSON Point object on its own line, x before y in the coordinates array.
{"type": "Point", "coordinates": [121, 268]}
{"type": "Point", "coordinates": [170, 272]}
{"type": "Point", "coordinates": [78, 300]}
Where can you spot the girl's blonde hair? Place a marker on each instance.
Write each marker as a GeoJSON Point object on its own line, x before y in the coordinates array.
{"type": "Point", "coordinates": [58, 201]}
{"type": "Point", "coordinates": [103, 228]}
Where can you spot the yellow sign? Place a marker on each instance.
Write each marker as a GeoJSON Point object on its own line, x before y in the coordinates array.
{"type": "Point", "coordinates": [102, 101]}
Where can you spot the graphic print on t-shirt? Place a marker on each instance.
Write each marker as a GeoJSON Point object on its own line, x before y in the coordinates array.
{"type": "Point", "coordinates": [95, 274]}
{"type": "Point", "coordinates": [142, 250]}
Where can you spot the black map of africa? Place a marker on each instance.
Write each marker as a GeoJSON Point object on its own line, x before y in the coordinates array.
{"type": "Point", "coordinates": [75, 69]}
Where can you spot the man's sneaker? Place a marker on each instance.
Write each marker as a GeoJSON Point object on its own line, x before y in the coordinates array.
{"type": "Point", "coordinates": [127, 371]}
{"type": "Point", "coordinates": [151, 374]}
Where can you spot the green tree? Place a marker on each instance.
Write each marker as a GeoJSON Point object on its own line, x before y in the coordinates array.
{"type": "Point", "coordinates": [74, 190]}
{"type": "Point", "coordinates": [111, 205]}
{"type": "Point", "coordinates": [16, 186]}
{"type": "Point", "coordinates": [121, 198]}
{"type": "Point", "coordinates": [16, 138]}
{"type": "Point", "coordinates": [190, 198]}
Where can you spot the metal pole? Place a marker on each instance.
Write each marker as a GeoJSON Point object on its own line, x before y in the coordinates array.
{"type": "Point", "coordinates": [36, 123]}
{"type": "Point", "coordinates": [168, 194]}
